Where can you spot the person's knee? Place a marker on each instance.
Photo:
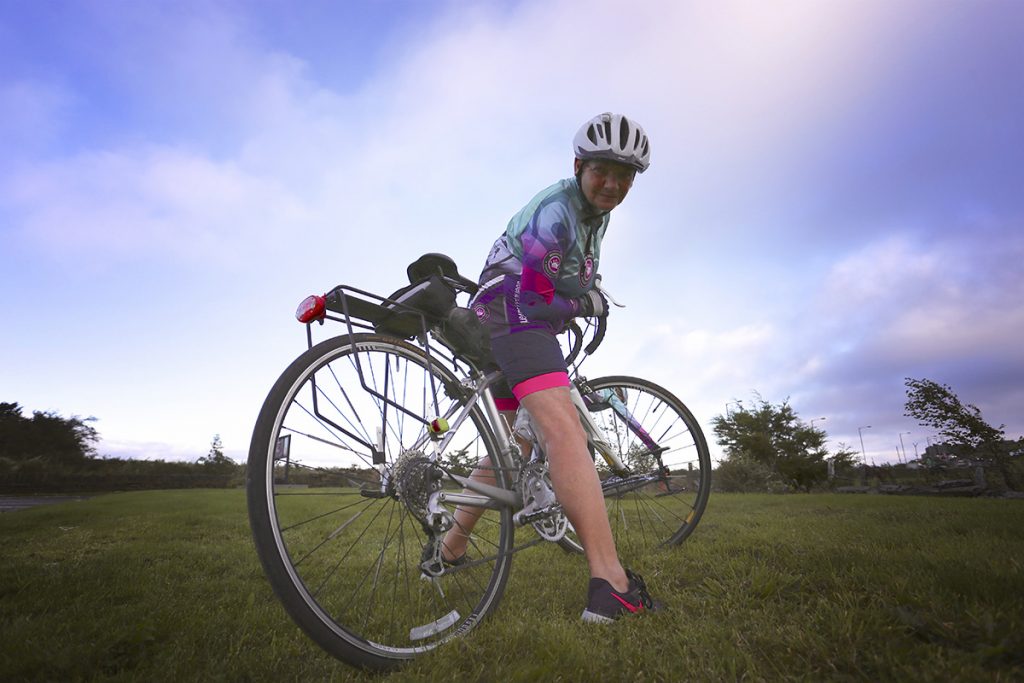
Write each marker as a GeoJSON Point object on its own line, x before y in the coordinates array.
{"type": "Point", "coordinates": [569, 437]}
{"type": "Point", "coordinates": [561, 430]}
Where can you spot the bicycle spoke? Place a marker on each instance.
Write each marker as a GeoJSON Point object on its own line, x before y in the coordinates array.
{"type": "Point", "coordinates": [348, 545]}
{"type": "Point", "coordinates": [661, 500]}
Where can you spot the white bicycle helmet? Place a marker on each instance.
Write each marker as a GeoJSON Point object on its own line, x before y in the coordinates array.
{"type": "Point", "coordinates": [615, 138]}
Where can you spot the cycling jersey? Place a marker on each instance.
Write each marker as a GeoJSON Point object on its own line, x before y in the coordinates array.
{"type": "Point", "coordinates": [546, 259]}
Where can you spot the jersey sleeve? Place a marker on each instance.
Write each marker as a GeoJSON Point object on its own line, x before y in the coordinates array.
{"type": "Point", "coordinates": [545, 241]}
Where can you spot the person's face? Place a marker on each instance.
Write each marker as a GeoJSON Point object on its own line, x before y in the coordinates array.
{"type": "Point", "coordinates": [605, 183]}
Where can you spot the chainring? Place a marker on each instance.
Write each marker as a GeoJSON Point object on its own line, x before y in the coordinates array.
{"type": "Point", "coordinates": [539, 502]}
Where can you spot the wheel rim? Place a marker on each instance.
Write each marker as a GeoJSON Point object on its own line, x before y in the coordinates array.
{"type": "Point", "coordinates": [350, 557]}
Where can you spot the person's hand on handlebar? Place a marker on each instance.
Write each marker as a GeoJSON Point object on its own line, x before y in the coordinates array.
{"type": "Point", "coordinates": [593, 304]}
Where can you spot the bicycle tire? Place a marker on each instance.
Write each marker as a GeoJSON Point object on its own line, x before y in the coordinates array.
{"type": "Point", "coordinates": [649, 509]}
{"type": "Point", "coordinates": [345, 561]}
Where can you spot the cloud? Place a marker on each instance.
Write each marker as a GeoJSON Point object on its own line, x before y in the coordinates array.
{"type": "Point", "coordinates": [155, 450]}
{"type": "Point", "coordinates": [35, 113]}
{"type": "Point", "coordinates": [147, 203]}
{"type": "Point", "coordinates": [435, 131]}
{"type": "Point", "coordinates": [929, 298]}
{"type": "Point", "coordinates": [903, 305]}
{"type": "Point", "coordinates": [827, 209]}
{"type": "Point", "coordinates": [870, 277]}
{"type": "Point", "coordinates": [909, 306]}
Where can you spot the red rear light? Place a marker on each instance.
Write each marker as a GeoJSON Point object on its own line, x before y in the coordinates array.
{"type": "Point", "coordinates": [312, 308]}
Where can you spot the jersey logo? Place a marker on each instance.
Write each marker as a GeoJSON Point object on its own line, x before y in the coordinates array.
{"type": "Point", "coordinates": [587, 269]}
{"type": "Point", "coordinates": [482, 314]}
{"type": "Point", "coordinates": [552, 262]}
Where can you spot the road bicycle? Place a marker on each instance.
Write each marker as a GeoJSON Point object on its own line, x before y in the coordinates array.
{"type": "Point", "coordinates": [360, 454]}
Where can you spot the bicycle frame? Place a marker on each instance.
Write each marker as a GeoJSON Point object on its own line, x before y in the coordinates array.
{"type": "Point", "coordinates": [356, 305]}
{"type": "Point", "coordinates": [493, 497]}
{"type": "Point", "coordinates": [404, 386]}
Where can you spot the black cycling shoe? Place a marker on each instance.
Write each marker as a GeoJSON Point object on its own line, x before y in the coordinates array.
{"type": "Point", "coordinates": [605, 604]}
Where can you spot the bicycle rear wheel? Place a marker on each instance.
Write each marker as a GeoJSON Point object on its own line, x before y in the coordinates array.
{"type": "Point", "coordinates": [662, 499]}
{"type": "Point", "coordinates": [341, 550]}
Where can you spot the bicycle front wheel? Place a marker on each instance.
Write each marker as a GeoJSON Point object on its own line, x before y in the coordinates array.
{"type": "Point", "coordinates": [656, 436]}
{"type": "Point", "coordinates": [340, 539]}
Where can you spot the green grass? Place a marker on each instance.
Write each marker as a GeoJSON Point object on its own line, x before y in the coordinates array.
{"type": "Point", "coordinates": [165, 586]}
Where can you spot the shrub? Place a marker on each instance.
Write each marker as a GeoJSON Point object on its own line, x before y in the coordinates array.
{"type": "Point", "coordinates": [742, 475]}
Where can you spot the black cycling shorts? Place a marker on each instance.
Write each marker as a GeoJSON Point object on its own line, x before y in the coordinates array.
{"type": "Point", "coordinates": [531, 361]}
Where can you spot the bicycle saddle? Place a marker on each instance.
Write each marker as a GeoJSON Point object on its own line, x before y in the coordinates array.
{"type": "Point", "coordinates": [438, 264]}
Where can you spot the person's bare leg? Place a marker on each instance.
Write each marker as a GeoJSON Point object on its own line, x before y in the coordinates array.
{"type": "Point", "coordinates": [575, 480]}
{"type": "Point", "coordinates": [455, 541]}
{"type": "Point", "coordinates": [466, 517]}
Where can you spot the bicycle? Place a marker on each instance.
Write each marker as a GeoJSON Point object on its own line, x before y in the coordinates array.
{"type": "Point", "coordinates": [403, 392]}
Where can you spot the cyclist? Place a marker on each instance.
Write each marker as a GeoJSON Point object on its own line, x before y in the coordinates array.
{"type": "Point", "coordinates": [538, 276]}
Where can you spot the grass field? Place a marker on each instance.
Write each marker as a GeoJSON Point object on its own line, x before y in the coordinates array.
{"type": "Point", "coordinates": [165, 586]}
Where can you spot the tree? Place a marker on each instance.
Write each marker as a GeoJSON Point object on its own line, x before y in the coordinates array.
{"type": "Point", "coordinates": [639, 458]}
{"type": "Point", "coordinates": [773, 436]}
{"type": "Point", "coordinates": [460, 461]}
{"type": "Point", "coordinates": [215, 459]}
{"type": "Point", "coordinates": [216, 453]}
{"type": "Point", "coordinates": [937, 406]}
{"type": "Point", "coordinates": [845, 457]}
{"type": "Point", "coordinates": [46, 436]}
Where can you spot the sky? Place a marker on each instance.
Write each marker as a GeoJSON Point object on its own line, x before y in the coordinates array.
{"type": "Point", "coordinates": [834, 202]}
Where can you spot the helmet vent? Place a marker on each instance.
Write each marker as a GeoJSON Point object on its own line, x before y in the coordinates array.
{"type": "Point", "coordinates": [616, 138]}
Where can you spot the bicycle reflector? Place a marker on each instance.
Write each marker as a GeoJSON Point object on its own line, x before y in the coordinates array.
{"type": "Point", "coordinates": [312, 308]}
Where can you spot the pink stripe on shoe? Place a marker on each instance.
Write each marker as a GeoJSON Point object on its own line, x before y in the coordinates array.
{"type": "Point", "coordinates": [625, 603]}
{"type": "Point", "coordinates": [540, 383]}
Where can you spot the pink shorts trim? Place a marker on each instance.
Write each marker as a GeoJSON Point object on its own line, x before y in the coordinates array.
{"type": "Point", "coordinates": [506, 403]}
{"type": "Point", "coordinates": [540, 383]}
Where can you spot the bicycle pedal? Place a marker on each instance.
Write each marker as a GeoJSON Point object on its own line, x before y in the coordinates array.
{"type": "Point", "coordinates": [529, 517]}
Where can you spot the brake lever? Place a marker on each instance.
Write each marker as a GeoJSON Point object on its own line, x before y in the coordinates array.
{"type": "Point", "coordinates": [607, 295]}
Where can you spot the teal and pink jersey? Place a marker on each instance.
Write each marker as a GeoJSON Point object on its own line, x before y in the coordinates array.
{"type": "Point", "coordinates": [545, 260]}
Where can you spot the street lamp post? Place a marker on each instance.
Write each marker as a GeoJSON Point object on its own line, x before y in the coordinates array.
{"type": "Point", "coordinates": [729, 403]}
{"type": "Point", "coordinates": [816, 418]}
{"type": "Point", "coordinates": [902, 446]}
{"type": "Point", "coordinates": [860, 433]}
